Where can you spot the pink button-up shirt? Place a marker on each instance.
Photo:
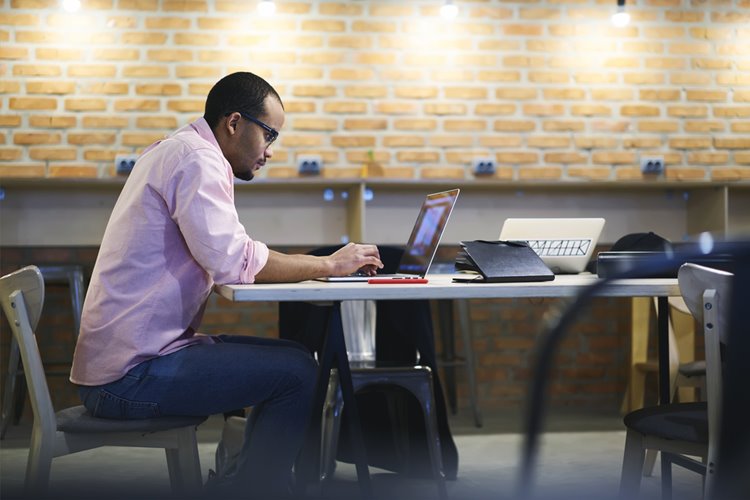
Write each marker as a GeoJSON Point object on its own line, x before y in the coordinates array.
{"type": "Point", "coordinates": [173, 234]}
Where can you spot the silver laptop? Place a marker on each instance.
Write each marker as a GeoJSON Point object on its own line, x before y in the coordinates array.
{"type": "Point", "coordinates": [424, 240]}
{"type": "Point", "coordinates": [565, 245]}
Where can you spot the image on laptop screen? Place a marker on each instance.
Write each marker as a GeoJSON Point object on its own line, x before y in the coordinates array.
{"type": "Point", "coordinates": [427, 232]}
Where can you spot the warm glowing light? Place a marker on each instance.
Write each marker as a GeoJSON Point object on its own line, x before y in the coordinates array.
{"type": "Point", "coordinates": [266, 8]}
{"type": "Point", "coordinates": [620, 19]}
{"type": "Point", "coordinates": [71, 5]}
{"type": "Point", "coordinates": [449, 10]}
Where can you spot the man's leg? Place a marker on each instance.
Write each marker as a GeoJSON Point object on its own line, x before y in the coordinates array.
{"type": "Point", "coordinates": [276, 377]}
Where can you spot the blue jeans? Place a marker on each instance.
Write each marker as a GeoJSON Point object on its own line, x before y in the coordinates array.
{"type": "Point", "coordinates": [276, 377]}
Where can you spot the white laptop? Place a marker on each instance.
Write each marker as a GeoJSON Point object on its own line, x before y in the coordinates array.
{"type": "Point", "coordinates": [565, 245]}
{"type": "Point", "coordinates": [423, 242]}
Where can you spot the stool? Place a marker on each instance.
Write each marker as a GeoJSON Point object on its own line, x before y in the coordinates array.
{"type": "Point", "coordinates": [13, 398]}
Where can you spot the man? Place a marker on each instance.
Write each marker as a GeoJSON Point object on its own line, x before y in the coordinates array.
{"type": "Point", "coordinates": [173, 234]}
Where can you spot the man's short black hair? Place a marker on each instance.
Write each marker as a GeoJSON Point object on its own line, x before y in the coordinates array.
{"type": "Point", "coordinates": [241, 91]}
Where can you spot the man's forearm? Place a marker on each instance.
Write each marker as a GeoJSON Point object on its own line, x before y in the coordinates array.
{"type": "Point", "coordinates": [283, 268]}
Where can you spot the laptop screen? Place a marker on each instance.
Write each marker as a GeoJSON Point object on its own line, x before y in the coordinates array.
{"type": "Point", "coordinates": [427, 232]}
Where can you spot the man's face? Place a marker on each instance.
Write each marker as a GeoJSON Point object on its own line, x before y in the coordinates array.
{"type": "Point", "coordinates": [249, 147]}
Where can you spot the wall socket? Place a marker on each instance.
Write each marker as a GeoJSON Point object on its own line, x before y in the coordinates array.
{"type": "Point", "coordinates": [124, 163]}
{"type": "Point", "coordinates": [483, 166]}
{"type": "Point", "coordinates": [652, 165]}
{"type": "Point", "coordinates": [309, 164]}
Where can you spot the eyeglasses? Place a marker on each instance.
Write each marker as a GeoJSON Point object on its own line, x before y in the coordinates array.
{"type": "Point", "coordinates": [271, 133]}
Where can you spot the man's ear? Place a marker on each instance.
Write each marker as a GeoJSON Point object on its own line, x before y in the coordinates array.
{"type": "Point", "coordinates": [230, 124]}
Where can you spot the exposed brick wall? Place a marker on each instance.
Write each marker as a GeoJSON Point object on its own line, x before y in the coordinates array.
{"type": "Point", "coordinates": [548, 88]}
{"type": "Point", "coordinates": [589, 372]}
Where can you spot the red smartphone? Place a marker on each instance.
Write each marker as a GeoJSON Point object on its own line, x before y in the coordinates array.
{"type": "Point", "coordinates": [396, 281]}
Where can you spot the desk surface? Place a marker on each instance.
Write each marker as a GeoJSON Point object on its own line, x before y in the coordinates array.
{"type": "Point", "coordinates": [441, 287]}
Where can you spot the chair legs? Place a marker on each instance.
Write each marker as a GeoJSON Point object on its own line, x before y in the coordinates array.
{"type": "Point", "coordinates": [632, 466]}
{"type": "Point", "coordinates": [412, 381]}
{"type": "Point", "coordinates": [11, 382]}
{"type": "Point", "coordinates": [38, 465]}
{"type": "Point", "coordinates": [183, 464]}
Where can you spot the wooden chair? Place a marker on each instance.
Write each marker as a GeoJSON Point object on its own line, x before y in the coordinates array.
{"type": "Point", "coordinates": [682, 430]}
{"type": "Point", "coordinates": [74, 429]}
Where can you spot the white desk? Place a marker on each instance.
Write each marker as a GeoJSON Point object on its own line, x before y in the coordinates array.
{"type": "Point", "coordinates": [439, 287]}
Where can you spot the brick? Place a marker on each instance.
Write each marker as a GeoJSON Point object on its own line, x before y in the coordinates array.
{"type": "Point", "coordinates": [613, 157]}
{"type": "Point", "coordinates": [14, 53]}
{"type": "Point", "coordinates": [160, 122]}
{"type": "Point", "coordinates": [52, 154]}
{"type": "Point", "coordinates": [91, 70]}
{"type": "Point", "coordinates": [595, 77]}
{"type": "Point", "coordinates": [741, 127]}
{"type": "Point", "coordinates": [544, 142]}
{"type": "Point", "coordinates": [730, 174]}
{"type": "Point", "coordinates": [163, 89]}
{"type": "Point", "coordinates": [143, 38]}
{"type": "Point", "coordinates": [352, 74]}
{"type": "Point", "coordinates": [326, 25]}
{"type": "Point", "coordinates": [403, 75]}
{"type": "Point", "coordinates": [667, 32]}
{"type": "Point", "coordinates": [403, 141]}
{"type": "Point", "coordinates": [35, 103]}
{"type": "Point", "coordinates": [665, 63]}
{"type": "Point", "coordinates": [422, 60]}
{"type": "Point", "coordinates": [539, 173]}
{"type": "Point", "coordinates": [122, 22]}
{"type": "Point", "coordinates": [374, 26]}
{"type": "Point", "coordinates": [8, 18]}
{"type": "Point", "coordinates": [513, 126]}
{"type": "Point", "coordinates": [732, 111]}
{"type": "Point", "coordinates": [142, 71]}
{"type": "Point", "coordinates": [548, 77]}
{"type": "Point", "coordinates": [116, 54]}
{"type": "Point", "coordinates": [493, 109]}
{"type": "Point", "coordinates": [592, 173]}
{"type": "Point", "coordinates": [465, 93]}
{"type": "Point", "coordinates": [569, 157]}
{"type": "Point", "coordinates": [517, 157]}
{"type": "Point", "coordinates": [543, 109]}
{"type": "Point", "coordinates": [523, 61]}
{"type": "Point", "coordinates": [305, 141]}
{"type": "Point", "coordinates": [704, 126]}
{"type": "Point", "coordinates": [735, 79]}
{"type": "Point", "coordinates": [36, 70]}
{"type": "Point", "coordinates": [137, 105]}
{"type": "Point", "coordinates": [516, 94]}
{"type": "Point", "coordinates": [8, 87]}
{"type": "Point", "coordinates": [730, 17]}
{"type": "Point", "coordinates": [169, 55]}
{"type": "Point", "coordinates": [314, 91]}
{"type": "Point", "coordinates": [353, 141]}
{"type": "Point", "coordinates": [659, 94]}
{"type": "Point", "coordinates": [26, 170]}
{"type": "Point", "coordinates": [366, 91]}
{"type": "Point", "coordinates": [105, 122]}
{"type": "Point", "coordinates": [91, 138]}
{"type": "Point", "coordinates": [451, 141]}
{"type": "Point", "coordinates": [142, 5]}
{"type": "Point", "coordinates": [416, 92]}
{"type": "Point", "coordinates": [690, 142]}
{"type": "Point", "coordinates": [443, 109]}
{"type": "Point", "coordinates": [10, 120]}
{"type": "Point", "coordinates": [167, 23]}
{"type": "Point", "coordinates": [643, 78]}
{"type": "Point", "coordinates": [707, 95]}
{"type": "Point", "coordinates": [314, 124]}
{"type": "Point", "coordinates": [415, 124]}
{"type": "Point", "coordinates": [140, 138]}
{"type": "Point", "coordinates": [704, 158]}
{"type": "Point", "coordinates": [338, 107]}
{"type": "Point", "coordinates": [300, 106]}
{"type": "Point", "coordinates": [187, 105]}
{"type": "Point", "coordinates": [590, 110]}
{"type": "Point", "coordinates": [658, 126]}
{"type": "Point", "coordinates": [184, 6]}
{"type": "Point", "coordinates": [694, 78]}
{"type": "Point", "coordinates": [73, 171]}
{"type": "Point", "coordinates": [365, 124]}
{"type": "Point", "coordinates": [640, 110]}
{"type": "Point", "coordinates": [611, 94]}
{"type": "Point", "coordinates": [742, 157]}
{"type": "Point", "coordinates": [732, 143]}
{"type": "Point", "coordinates": [106, 88]}
{"type": "Point", "coordinates": [584, 142]}
{"type": "Point", "coordinates": [340, 9]}
{"type": "Point", "coordinates": [563, 126]}
{"type": "Point", "coordinates": [52, 121]}
{"type": "Point", "coordinates": [85, 104]}
{"type": "Point", "coordinates": [442, 173]}
{"type": "Point", "coordinates": [10, 154]}
{"type": "Point", "coordinates": [643, 47]}
{"type": "Point", "coordinates": [642, 142]}
{"type": "Point", "coordinates": [687, 111]}
{"type": "Point", "coordinates": [50, 87]}
{"type": "Point", "coordinates": [418, 156]}
{"type": "Point", "coordinates": [465, 125]}
{"type": "Point", "coordinates": [622, 62]}
{"type": "Point", "coordinates": [197, 39]}
{"type": "Point", "coordinates": [685, 173]}
{"type": "Point", "coordinates": [692, 49]}
{"type": "Point", "coordinates": [522, 29]}
{"type": "Point", "coordinates": [300, 73]}
{"type": "Point", "coordinates": [498, 76]}
{"type": "Point", "coordinates": [375, 58]}
{"type": "Point", "coordinates": [391, 10]}
{"type": "Point", "coordinates": [500, 141]}
{"type": "Point", "coordinates": [682, 16]}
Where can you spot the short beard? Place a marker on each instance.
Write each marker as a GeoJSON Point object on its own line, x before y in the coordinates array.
{"type": "Point", "coordinates": [246, 176]}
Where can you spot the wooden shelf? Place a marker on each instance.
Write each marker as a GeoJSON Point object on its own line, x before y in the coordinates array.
{"type": "Point", "coordinates": [319, 211]}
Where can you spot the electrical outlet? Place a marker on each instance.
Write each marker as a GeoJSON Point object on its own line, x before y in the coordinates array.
{"type": "Point", "coordinates": [652, 165]}
{"type": "Point", "coordinates": [124, 163]}
{"type": "Point", "coordinates": [309, 164]}
{"type": "Point", "coordinates": [483, 166]}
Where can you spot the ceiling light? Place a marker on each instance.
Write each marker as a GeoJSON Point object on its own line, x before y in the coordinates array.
{"type": "Point", "coordinates": [620, 19]}
{"type": "Point", "coordinates": [71, 5]}
{"type": "Point", "coordinates": [448, 10]}
{"type": "Point", "coordinates": [266, 8]}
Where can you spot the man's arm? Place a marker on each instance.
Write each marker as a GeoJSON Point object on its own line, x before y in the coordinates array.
{"type": "Point", "coordinates": [283, 268]}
